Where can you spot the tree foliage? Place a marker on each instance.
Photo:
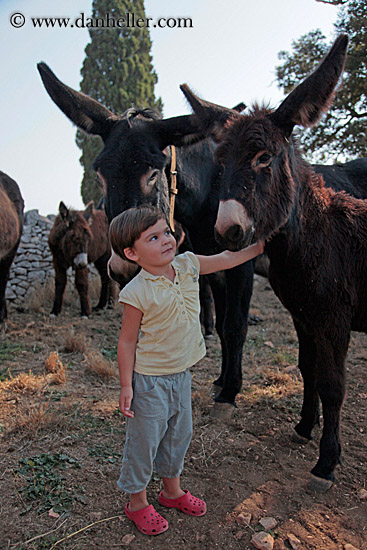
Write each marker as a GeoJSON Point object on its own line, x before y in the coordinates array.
{"type": "Point", "coordinates": [342, 133]}
{"type": "Point", "coordinates": [118, 72]}
{"type": "Point", "coordinates": [333, 2]}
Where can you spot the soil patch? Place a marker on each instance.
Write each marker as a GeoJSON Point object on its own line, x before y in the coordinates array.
{"type": "Point", "coordinates": [61, 441]}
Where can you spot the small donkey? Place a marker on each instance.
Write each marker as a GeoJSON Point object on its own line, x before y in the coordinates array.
{"type": "Point", "coordinates": [76, 239]}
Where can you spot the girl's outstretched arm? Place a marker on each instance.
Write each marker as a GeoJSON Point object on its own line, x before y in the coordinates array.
{"type": "Point", "coordinates": [228, 259]}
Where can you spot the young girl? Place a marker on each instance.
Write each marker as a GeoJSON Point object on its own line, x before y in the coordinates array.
{"type": "Point", "coordinates": [160, 340]}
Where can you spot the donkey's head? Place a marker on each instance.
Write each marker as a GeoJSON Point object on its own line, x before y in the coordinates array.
{"type": "Point", "coordinates": [131, 165]}
{"type": "Point", "coordinates": [73, 228]}
{"type": "Point", "coordinates": [261, 163]}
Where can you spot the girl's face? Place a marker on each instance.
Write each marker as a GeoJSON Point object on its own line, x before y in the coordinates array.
{"type": "Point", "coordinates": [156, 246]}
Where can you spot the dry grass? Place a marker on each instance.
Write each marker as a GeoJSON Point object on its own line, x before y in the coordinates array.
{"type": "Point", "coordinates": [24, 383]}
{"type": "Point", "coordinates": [41, 297]}
{"type": "Point", "coordinates": [97, 364]}
{"type": "Point", "coordinates": [53, 363]}
{"type": "Point", "coordinates": [55, 369]}
{"type": "Point", "coordinates": [94, 286]}
{"type": "Point", "coordinates": [74, 342]}
{"type": "Point", "coordinates": [279, 377]}
{"type": "Point", "coordinates": [32, 418]}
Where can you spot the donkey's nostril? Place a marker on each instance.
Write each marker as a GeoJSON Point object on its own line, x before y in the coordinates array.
{"type": "Point", "coordinates": [235, 234]}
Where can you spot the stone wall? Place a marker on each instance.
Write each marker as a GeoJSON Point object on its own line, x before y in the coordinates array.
{"type": "Point", "coordinates": [32, 266]}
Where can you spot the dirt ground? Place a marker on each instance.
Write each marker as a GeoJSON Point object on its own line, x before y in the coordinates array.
{"type": "Point", "coordinates": [61, 440]}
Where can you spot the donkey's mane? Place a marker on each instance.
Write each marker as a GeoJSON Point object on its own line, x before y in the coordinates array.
{"type": "Point", "coordinates": [132, 114]}
{"type": "Point", "coordinates": [237, 130]}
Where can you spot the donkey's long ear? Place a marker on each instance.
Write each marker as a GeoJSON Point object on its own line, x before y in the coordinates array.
{"type": "Point", "coordinates": [89, 210]}
{"type": "Point", "coordinates": [305, 105]}
{"type": "Point", "coordinates": [89, 115]}
{"type": "Point", "coordinates": [239, 107]}
{"type": "Point", "coordinates": [63, 211]}
{"type": "Point", "coordinates": [179, 130]}
{"type": "Point", "coordinates": [188, 129]}
{"type": "Point", "coordinates": [212, 117]}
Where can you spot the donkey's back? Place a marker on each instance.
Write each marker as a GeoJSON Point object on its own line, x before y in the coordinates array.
{"type": "Point", "coordinates": [350, 176]}
{"type": "Point", "coordinates": [11, 227]}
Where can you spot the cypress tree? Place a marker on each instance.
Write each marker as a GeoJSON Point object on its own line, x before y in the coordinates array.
{"type": "Point", "coordinates": [117, 71]}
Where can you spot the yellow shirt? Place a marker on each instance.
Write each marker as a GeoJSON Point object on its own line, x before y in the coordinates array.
{"type": "Point", "coordinates": [170, 338]}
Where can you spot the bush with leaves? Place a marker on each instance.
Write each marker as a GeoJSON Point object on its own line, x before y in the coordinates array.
{"type": "Point", "coordinates": [342, 133]}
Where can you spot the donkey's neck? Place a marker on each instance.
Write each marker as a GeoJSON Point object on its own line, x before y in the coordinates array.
{"type": "Point", "coordinates": [197, 183]}
{"type": "Point", "coordinates": [320, 216]}
{"type": "Point", "coordinates": [310, 218]}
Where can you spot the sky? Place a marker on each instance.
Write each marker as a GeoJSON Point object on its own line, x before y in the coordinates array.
{"type": "Point", "coordinates": [227, 56]}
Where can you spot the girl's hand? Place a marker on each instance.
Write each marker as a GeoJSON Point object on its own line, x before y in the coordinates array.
{"type": "Point", "coordinates": [126, 395]}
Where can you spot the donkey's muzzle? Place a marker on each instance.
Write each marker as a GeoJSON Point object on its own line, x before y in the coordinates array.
{"type": "Point", "coordinates": [235, 238]}
{"type": "Point", "coordinates": [81, 260]}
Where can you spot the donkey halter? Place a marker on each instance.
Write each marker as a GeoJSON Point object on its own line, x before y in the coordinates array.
{"type": "Point", "coordinates": [173, 188]}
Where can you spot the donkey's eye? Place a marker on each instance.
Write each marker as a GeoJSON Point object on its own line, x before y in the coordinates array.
{"type": "Point", "coordinates": [153, 178]}
{"type": "Point", "coordinates": [261, 160]}
{"type": "Point", "coordinates": [265, 158]}
{"type": "Point", "coordinates": [148, 181]}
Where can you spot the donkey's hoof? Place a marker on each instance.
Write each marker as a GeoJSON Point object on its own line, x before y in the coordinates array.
{"type": "Point", "coordinates": [222, 411]}
{"type": "Point", "coordinates": [215, 391]}
{"type": "Point", "coordinates": [296, 438]}
{"type": "Point", "coordinates": [319, 484]}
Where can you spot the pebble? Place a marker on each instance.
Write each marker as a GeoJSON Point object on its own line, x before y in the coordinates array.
{"type": "Point", "coordinates": [293, 541]}
{"type": "Point", "coordinates": [349, 547]}
{"type": "Point", "coordinates": [362, 494]}
{"type": "Point", "coordinates": [268, 523]}
{"type": "Point", "coordinates": [244, 519]}
{"type": "Point", "coordinates": [262, 541]}
{"type": "Point", "coordinates": [96, 516]}
{"type": "Point", "coordinates": [127, 539]}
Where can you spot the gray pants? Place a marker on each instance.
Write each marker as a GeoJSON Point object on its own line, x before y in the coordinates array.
{"type": "Point", "coordinates": [160, 432]}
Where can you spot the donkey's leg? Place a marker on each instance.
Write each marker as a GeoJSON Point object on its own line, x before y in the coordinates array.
{"type": "Point", "coordinates": [206, 305]}
{"type": "Point", "coordinates": [82, 286]}
{"type": "Point", "coordinates": [5, 265]}
{"type": "Point", "coordinates": [239, 283]}
{"type": "Point", "coordinates": [307, 365]}
{"type": "Point", "coordinates": [217, 285]}
{"type": "Point", "coordinates": [60, 284]}
{"type": "Point", "coordinates": [101, 265]}
{"type": "Point", "coordinates": [330, 382]}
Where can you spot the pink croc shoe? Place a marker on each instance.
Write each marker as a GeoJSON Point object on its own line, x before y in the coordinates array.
{"type": "Point", "coordinates": [147, 520]}
{"type": "Point", "coordinates": [188, 504]}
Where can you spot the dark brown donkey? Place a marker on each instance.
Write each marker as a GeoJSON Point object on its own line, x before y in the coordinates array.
{"type": "Point", "coordinates": [316, 238]}
{"type": "Point", "coordinates": [77, 239]}
{"type": "Point", "coordinates": [11, 227]}
{"type": "Point", "coordinates": [134, 166]}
